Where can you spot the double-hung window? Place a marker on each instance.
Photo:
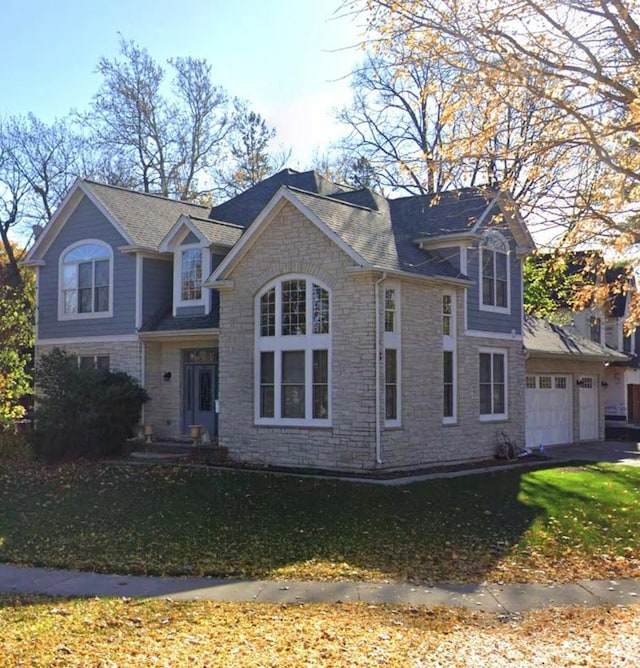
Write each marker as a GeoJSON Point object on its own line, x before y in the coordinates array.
{"type": "Point", "coordinates": [392, 353]}
{"type": "Point", "coordinates": [86, 281]}
{"type": "Point", "coordinates": [293, 353]}
{"type": "Point", "coordinates": [493, 384]}
{"type": "Point", "coordinates": [494, 272]}
{"type": "Point", "coordinates": [191, 274]}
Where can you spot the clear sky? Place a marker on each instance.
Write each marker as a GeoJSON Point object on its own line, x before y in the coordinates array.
{"type": "Point", "coordinates": [289, 58]}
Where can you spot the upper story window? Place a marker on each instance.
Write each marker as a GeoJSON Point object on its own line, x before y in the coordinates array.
{"type": "Point", "coordinates": [191, 274]}
{"type": "Point", "coordinates": [390, 312]}
{"type": "Point", "coordinates": [86, 280]}
{"type": "Point", "coordinates": [494, 272]}
{"type": "Point", "coordinates": [293, 363]}
{"type": "Point", "coordinates": [595, 328]}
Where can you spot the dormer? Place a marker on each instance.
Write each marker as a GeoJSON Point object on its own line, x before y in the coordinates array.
{"type": "Point", "coordinates": [197, 246]}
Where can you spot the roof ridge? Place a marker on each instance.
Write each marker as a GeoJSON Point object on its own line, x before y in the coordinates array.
{"type": "Point", "coordinates": [218, 222]}
{"type": "Point", "coordinates": [143, 194]}
{"type": "Point", "coordinates": [332, 198]}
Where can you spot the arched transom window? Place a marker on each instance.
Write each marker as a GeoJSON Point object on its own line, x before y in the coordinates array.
{"type": "Point", "coordinates": [85, 280]}
{"type": "Point", "coordinates": [293, 352]}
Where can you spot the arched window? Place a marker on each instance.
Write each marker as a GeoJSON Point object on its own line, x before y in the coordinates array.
{"type": "Point", "coordinates": [85, 280]}
{"type": "Point", "coordinates": [494, 272]}
{"type": "Point", "coordinates": [293, 360]}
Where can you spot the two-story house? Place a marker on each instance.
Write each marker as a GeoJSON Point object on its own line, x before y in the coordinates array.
{"type": "Point", "coordinates": [302, 323]}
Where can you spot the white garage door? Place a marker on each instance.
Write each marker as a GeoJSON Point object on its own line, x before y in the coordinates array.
{"type": "Point", "coordinates": [549, 413]}
{"type": "Point", "coordinates": [589, 409]}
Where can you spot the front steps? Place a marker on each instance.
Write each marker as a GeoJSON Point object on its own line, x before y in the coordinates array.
{"type": "Point", "coordinates": [177, 451]}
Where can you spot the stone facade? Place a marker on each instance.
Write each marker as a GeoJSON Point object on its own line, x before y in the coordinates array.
{"type": "Point", "coordinates": [350, 442]}
{"type": "Point", "coordinates": [124, 355]}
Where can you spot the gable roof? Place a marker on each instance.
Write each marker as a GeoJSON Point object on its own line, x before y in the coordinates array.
{"type": "Point", "coordinates": [146, 218]}
{"type": "Point", "coordinates": [544, 339]}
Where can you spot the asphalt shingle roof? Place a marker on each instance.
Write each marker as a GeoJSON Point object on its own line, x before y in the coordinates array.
{"type": "Point", "coordinates": [145, 218]}
{"type": "Point", "coordinates": [543, 338]}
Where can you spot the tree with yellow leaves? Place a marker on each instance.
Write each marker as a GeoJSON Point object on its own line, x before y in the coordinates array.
{"type": "Point", "coordinates": [577, 60]}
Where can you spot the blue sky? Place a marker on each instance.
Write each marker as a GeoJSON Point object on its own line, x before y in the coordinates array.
{"type": "Point", "coordinates": [289, 58]}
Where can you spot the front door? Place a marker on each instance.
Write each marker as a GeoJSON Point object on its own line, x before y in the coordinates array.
{"type": "Point", "coordinates": [200, 389]}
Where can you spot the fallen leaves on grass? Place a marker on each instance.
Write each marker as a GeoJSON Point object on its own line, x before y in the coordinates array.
{"type": "Point", "coordinates": [126, 632]}
{"type": "Point", "coordinates": [558, 524]}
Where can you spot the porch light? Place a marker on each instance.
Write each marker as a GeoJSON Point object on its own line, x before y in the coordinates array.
{"type": "Point", "coordinates": [166, 376]}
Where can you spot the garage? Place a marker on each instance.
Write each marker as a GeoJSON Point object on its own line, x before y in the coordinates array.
{"type": "Point", "coordinates": [549, 414]}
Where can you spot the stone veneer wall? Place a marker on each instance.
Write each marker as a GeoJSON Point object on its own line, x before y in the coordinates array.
{"type": "Point", "coordinates": [349, 444]}
{"type": "Point", "coordinates": [422, 438]}
{"type": "Point", "coordinates": [123, 355]}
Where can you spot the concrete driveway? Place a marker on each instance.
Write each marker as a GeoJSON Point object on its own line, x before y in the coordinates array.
{"type": "Point", "coordinates": [621, 452]}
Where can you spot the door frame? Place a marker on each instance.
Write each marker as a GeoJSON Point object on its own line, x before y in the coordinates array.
{"type": "Point", "coordinates": [191, 360]}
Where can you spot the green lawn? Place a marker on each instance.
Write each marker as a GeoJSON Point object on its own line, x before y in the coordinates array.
{"type": "Point", "coordinates": [551, 524]}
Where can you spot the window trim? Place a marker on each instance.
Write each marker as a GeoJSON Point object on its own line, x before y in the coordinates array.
{"type": "Point", "coordinates": [392, 340]}
{"type": "Point", "coordinates": [62, 314]}
{"type": "Point", "coordinates": [495, 242]}
{"type": "Point", "coordinates": [279, 343]}
{"type": "Point", "coordinates": [493, 417]}
{"type": "Point", "coordinates": [449, 346]}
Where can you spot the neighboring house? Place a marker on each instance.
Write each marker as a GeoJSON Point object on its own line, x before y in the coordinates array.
{"type": "Point", "coordinates": [303, 323]}
{"type": "Point", "coordinates": [610, 326]}
{"type": "Point", "coordinates": [566, 384]}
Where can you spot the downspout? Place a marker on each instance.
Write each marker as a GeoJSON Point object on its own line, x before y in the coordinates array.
{"type": "Point", "coordinates": [378, 353]}
{"type": "Point", "coordinates": [143, 355]}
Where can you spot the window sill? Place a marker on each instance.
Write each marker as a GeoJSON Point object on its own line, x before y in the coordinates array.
{"type": "Point", "coordinates": [495, 309]}
{"type": "Point", "coordinates": [494, 418]}
{"type": "Point", "coordinates": [294, 424]}
{"type": "Point", "coordinates": [85, 316]}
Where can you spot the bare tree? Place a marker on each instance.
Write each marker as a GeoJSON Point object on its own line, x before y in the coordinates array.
{"type": "Point", "coordinates": [425, 125]}
{"type": "Point", "coordinates": [159, 143]}
{"type": "Point", "coordinates": [38, 163]}
{"type": "Point", "coordinates": [250, 158]}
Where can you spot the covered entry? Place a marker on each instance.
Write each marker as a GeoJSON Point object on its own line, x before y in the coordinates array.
{"type": "Point", "coordinates": [548, 402]}
{"type": "Point", "coordinates": [200, 389]}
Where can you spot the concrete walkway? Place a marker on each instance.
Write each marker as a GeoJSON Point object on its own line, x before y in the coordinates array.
{"type": "Point", "coordinates": [496, 598]}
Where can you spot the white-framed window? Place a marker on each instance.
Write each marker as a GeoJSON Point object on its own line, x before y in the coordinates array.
{"type": "Point", "coordinates": [493, 384]}
{"type": "Point", "coordinates": [494, 273]}
{"type": "Point", "coordinates": [86, 281]}
{"type": "Point", "coordinates": [449, 362]}
{"type": "Point", "coordinates": [392, 355]}
{"type": "Point", "coordinates": [100, 362]}
{"type": "Point", "coordinates": [191, 274]}
{"type": "Point", "coordinates": [293, 360]}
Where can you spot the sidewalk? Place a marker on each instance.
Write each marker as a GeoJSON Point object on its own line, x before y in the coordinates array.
{"type": "Point", "coordinates": [487, 597]}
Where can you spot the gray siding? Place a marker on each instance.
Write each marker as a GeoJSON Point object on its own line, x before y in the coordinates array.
{"type": "Point", "coordinates": [451, 255]}
{"type": "Point", "coordinates": [490, 321]}
{"type": "Point", "coordinates": [189, 311]}
{"type": "Point", "coordinates": [191, 238]}
{"type": "Point", "coordinates": [157, 286]}
{"type": "Point", "coordinates": [87, 222]}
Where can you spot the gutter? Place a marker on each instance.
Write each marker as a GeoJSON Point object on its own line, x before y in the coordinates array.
{"type": "Point", "coordinates": [378, 349]}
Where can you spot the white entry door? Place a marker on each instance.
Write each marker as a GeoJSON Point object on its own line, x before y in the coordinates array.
{"type": "Point", "coordinates": [589, 410]}
{"type": "Point", "coordinates": [549, 416]}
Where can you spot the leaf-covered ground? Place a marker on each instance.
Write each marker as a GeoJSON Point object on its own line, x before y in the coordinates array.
{"type": "Point", "coordinates": [554, 524]}
{"type": "Point", "coordinates": [40, 632]}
